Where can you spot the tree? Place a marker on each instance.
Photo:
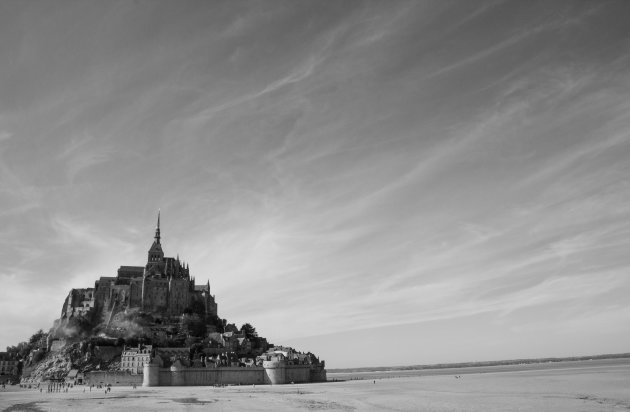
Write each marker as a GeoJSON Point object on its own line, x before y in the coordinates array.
{"type": "Point", "coordinates": [196, 348]}
{"type": "Point", "coordinates": [39, 355]}
{"type": "Point", "coordinates": [199, 308]}
{"type": "Point", "coordinates": [192, 325]}
{"type": "Point", "coordinates": [36, 337]}
{"type": "Point", "coordinates": [250, 331]}
{"type": "Point", "coordinates": [23, 349]}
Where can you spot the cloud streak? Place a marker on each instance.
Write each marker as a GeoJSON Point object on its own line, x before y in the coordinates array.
{"type": "Point", "coordinates": [422, 169]}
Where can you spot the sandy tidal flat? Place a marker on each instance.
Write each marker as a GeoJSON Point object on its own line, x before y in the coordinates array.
{"type": "Point", "coordinates": [591, 387]}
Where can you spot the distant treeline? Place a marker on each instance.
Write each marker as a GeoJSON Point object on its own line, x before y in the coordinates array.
{"type": "Point", "coordinates": [478, 364]}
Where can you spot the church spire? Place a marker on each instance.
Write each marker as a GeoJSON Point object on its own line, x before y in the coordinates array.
{"type": "Point", "coordinates": [155, 252]}
{"type": "Point", "coordinates": [157, 229]}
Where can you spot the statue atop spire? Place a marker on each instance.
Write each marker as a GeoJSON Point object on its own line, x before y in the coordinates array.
{"type": "Point", "coordinates": [157, 229]}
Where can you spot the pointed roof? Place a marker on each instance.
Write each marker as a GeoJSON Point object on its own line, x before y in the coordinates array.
{"type": "Point", "coordinates": [157, 229]}
{"type": "Point", "coordinates": [156, 247]}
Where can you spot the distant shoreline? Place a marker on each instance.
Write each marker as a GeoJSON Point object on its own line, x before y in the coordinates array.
{"type": "Point", "coordinates": [461, 365]}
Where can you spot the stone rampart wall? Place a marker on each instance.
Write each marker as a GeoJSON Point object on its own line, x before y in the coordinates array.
{"type": "Point", "coordinates": [164, 378]}
{"type": "Point", "coordinates": [297, 374]}
{"type": "Point", "coordinates": [272, 373]}
{"type": "Point", "coordinates": [113, 378]}
{"type": "Point", "coordinates": [278, 372]}
{"type": "Point", "coordinates": [318, 374]}
{"type": "Point", "coordinates": [203, 376]}
{"type": "Point", "coordinates": [227, 376]}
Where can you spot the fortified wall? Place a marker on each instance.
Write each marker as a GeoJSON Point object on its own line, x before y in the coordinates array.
{"type": "Point", "coordinates": [270, 373]}
{"type": "Point", "coordinates": [114, 378]}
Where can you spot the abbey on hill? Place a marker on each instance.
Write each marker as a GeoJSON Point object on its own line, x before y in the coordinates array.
{"type": "Point", "coordinates": [152, 325]}
{"type": "Point", "coordinates": [163, 285]}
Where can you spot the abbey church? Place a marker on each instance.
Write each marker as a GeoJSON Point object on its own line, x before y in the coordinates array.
{"type": "Point", "coordinates": [163, 285]}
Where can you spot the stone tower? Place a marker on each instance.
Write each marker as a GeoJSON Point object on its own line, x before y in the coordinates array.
{"type": "Point", "coordinates": [155, 252]}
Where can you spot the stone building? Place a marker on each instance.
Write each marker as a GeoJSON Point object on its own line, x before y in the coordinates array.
{"type": "Point", "coordinates": [163, 285]}
{"type": "Point", "coordinates": [8, 364]}
{"type": "Point", "coordinates": [133, 359]}
{"type": "Point", "coordinates": [78, 302]}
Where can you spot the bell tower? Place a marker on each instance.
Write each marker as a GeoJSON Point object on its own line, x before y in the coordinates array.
{"type": "Point", "coordinates": [155, 252]}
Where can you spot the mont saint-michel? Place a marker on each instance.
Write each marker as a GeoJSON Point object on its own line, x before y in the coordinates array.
{"type": "Point", "coordinates": [379, 184]}
{"type": "Point", "coordinates": [152, 325]}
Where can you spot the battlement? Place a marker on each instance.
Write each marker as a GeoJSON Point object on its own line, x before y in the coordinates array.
{"type": "Point", "coordinates": [277, 372]}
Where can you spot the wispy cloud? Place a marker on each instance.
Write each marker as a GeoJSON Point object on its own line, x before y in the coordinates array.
{"type": "Point", "coordinates": [379, 164]}
{"type": "Point", "coordinates": [82, 154]}
{"type": "Point", "coordinates": [297, 74]}
{"type": "Point", "coordinates": [4, 135]}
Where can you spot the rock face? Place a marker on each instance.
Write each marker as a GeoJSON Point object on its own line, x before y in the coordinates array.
{"type": "Point", "coordinates": [79, 355]}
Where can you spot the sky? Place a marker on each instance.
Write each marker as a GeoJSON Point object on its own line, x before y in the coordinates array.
{"type": "Point", "coordinates": [378, 182]}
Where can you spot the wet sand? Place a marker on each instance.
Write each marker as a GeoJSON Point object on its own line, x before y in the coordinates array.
{"type": "Point", "coordinates": [596, 386]}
